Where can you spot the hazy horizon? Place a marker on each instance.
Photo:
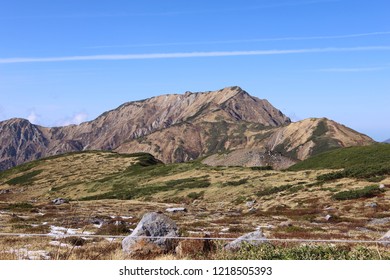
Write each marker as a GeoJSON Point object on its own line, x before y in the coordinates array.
{"type": "Point", "coordinates": [68, 62]}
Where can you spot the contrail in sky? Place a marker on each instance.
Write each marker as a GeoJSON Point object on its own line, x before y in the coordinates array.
{"type": "Point", "coordinates": [291, 38]}
{"type": "Point", "coordinates": [188, 54]}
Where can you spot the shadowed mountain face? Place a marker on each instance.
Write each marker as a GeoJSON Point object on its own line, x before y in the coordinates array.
{"type": "Point", "coordinates": [178, 128]}
{"type": "Point", "coordinates": [387, 141]}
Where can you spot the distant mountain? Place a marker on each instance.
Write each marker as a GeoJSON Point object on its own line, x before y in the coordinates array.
{"type": "Point", "coordinates": [177, 128]}
{"type": "Point", "coordinates": [387, 141]}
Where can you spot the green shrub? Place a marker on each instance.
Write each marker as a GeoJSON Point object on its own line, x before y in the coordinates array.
{"type": "Point", "coordinates": [195, 195]}
{"type": "Point", "coordinates": [24, 179]}
{"type": "Point", "coordinates": [366, 192]}
{"type": "Point", "coordinates": [304, 252]}
{"type": "Point", "coordinates": [20, 206]}
{"type": "Point", "coordinates": [235, 183]}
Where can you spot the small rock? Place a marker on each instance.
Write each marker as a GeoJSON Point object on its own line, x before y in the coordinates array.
{"type": "Point", "coordinates": [59, 201]}
{"type": "Point", "coordinates": [5, 191]}
{"type": "Point", "coordinates": [286, 224]}
{"type": "Point", "coordinates": [250, 204]}
{"type": "Point", "coordinates": [329, 208]}
{"type": "Point", "coordinates": [253, 238]}
{"type": "Point", "coordinates": [372, 205]}
{"type": "Point", "coordinates": [383, 186]}
{"type": "Point", "coordinates": [175, 210]}
{"type": "Point", "coordinates": [328, 218]}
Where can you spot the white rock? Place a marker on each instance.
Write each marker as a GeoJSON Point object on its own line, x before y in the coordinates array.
{"type": "Point", "coordinates": [174, 210]}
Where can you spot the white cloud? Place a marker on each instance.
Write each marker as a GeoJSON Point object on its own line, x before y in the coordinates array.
{"type": "Point", "coordinates": [33, 117]}
{"type": "Point", "coordinates": [189, 54]}
{"type": "Point", "coordinates": [76, 119]}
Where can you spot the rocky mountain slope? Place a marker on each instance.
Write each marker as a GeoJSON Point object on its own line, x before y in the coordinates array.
{"type": "Point", "coordinates": [178, 128]}
{"type": "Point", "coordinates": [253, 145]}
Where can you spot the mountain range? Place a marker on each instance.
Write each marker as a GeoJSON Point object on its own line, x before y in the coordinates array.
{"type": "Point", "coordinates": [226, 127]}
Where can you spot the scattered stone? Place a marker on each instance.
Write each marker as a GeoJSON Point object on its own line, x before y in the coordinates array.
{"type": "Point", "coordinates": [372, 205]}
{"type": "Point", "coordinates": [383, 186]}
{"type": "Point", "coordinates": [252, 210]}
{"type": "Point", "coordinates": [253, 238]}
{"type": "Point", "coordinates": [5, 191]}
{"type": "Point", "coordinates": [286, 224]}
{"type": "Point", "coordinates": [329, 208]}
{"type": "Point", "coordinates": [97, 222]}
{"type": "Point", "coordinates": [329, 218]}
{"type": "Point", "coordinates": [175, 210]}
{"type": "Point", "coordinates": [59, 201]}
{"type": "Point", "coordinates": [161, 230]}
{"type": "Point", "coordinates": [250, 204]}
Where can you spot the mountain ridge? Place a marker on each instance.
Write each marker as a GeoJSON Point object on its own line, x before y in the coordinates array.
{"type": "Point", "coordinates": [176, 128]}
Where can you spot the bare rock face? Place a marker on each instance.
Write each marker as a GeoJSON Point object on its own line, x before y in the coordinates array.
{"type": "Point", "coordinates": [178, 128]}
{"type": "Point", "coordinates": [21, 141]}
{"type": "Point", "coordinates": [161, 230]}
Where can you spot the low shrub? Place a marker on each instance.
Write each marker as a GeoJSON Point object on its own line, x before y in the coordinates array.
{"type": "Point", "coordinates": [366, 192]}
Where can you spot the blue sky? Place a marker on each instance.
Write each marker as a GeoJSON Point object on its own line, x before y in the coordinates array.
{"type": "Point", "coordinates": [68, 61]}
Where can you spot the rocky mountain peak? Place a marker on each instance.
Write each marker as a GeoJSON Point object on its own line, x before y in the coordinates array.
{"type": "Point", "coordinates": [177, 127]}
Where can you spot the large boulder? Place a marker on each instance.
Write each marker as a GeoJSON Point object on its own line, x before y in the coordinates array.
{"type": "Point", "coordinates": [161, 230]}
{"type": "Point", "coordinates": [253, 238]}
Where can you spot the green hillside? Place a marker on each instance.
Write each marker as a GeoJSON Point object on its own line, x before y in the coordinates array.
{"type": "Point", "coordinates": [378, 154]}
{"type": "Point", "coordinates": [369, 162]}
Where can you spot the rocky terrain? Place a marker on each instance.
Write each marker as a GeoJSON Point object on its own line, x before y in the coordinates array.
{"type": "Point", "coordinates": [102, 194]}
{"type": "Point", "coordinates": [178, 128]}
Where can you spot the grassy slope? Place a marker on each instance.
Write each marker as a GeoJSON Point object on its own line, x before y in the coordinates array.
{"type": "Point", "coordinates": [215, 197]}
{"type": "Point", "coordinates": [377, 154]}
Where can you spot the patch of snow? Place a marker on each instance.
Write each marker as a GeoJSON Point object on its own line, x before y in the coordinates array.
{"type": "Point", "coordinates": [126, 218]}
{"type": "Point", "coordinates": [266, 227]}
{"type": "Point", "coordinates": [60, 231]}
{"type": "Point", "coordinates": [59, 244]}
{"type": "Point", "coordinates": [24, 254]}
